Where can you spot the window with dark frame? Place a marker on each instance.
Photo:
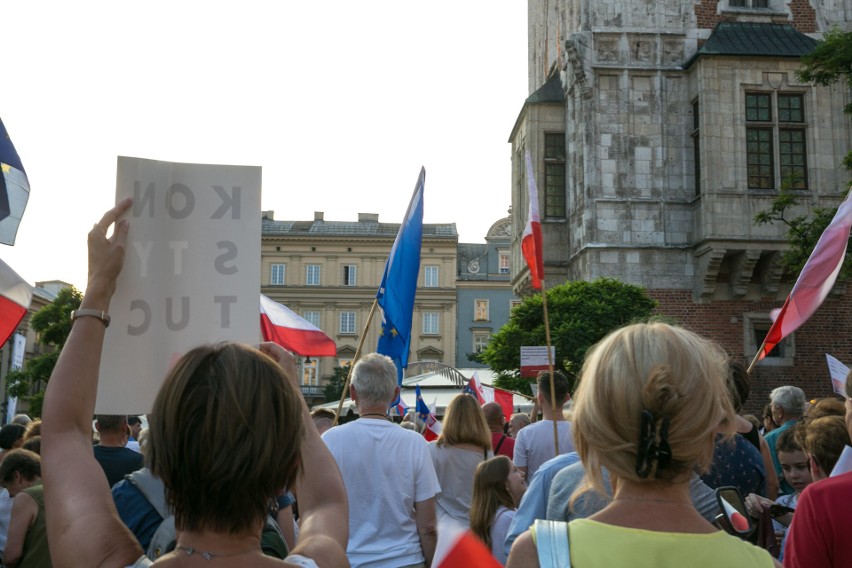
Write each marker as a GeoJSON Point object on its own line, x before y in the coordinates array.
{"type": "Point", "coordinates": [554, 175]}
{"type": "Point", "coordinates": [350, 272]}
{"type": "Point", "coordinates": [764, 128]}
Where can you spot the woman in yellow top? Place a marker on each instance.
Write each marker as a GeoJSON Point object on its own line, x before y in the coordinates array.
{"type": "Point", "coordinates": [651, 399]}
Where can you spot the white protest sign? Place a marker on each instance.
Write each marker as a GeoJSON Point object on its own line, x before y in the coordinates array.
{"type": "Point", "coordinates": [534, 359]}
{"type": "Point", "coordinates": [838, 372]}
{"type": "Point", "coordinates": [191, 273]}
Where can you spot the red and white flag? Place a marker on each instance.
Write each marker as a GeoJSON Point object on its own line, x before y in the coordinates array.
{"type": "Point", "coordinates": [15, 296]}
{"type": "Point", "coordinates": [459, 548]}
{"type": "Point", "coordinates": [283, 326]}
{"type": "Point", "coordinates": [738, 520]}
{"type": "Point", "coordinates": [531, 240]}
{"type": "Point", "coordinates": [484, 393]}
{"type": "Point", "coordinates": [815, 280]}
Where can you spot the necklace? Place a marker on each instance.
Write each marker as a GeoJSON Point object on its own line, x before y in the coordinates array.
{"type": "Point", "coordinates": [385, 416]}
{"type": "Point", "coordinates": [653, 500]}
{"type": "Point", "coordinates": [210, 555]}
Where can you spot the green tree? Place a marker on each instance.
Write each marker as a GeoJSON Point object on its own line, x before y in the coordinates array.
{"type": "Point", "coordinates": [803, 231]}
{"type": "Point", "coordinates": [53, 325]}
{"type": "Point", "coordinates": [580, 314]}
{"type": "Point", "coordinates": [336, 380]}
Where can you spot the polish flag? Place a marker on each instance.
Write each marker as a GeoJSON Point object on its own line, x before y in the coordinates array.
{"type": "Point", "coordinates": [484, 393]}
{"type": "Point", "coordinates": [531, 239]}
{"type": "Point", "coordinates": [738, 520]}
{"type": "Point", "coordinates": [458, 547]}
{"type": "Point", "coordinates": [15, 296]}
{"type": "Point", "coordinates": [816, 279]}
{"type": "Point", "coordinates": [283, 326]}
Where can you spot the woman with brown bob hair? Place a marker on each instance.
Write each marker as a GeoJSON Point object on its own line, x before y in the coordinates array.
{"type": "Point", "coordinates": [464, 442]}
{"type": "Point", "coordinates": [651, 399]}
{"type": "Point", "coordinates": [229, 430]}
{"type": "Point", "coordinates": [498, 486]}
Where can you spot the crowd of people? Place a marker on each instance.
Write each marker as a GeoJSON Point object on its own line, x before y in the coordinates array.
{"type": "Point", "coordinates": [239, 472]}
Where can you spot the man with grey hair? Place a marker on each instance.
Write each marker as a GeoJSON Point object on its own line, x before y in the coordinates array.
{"type": "Point", "coordinates": [788, 406]}
{"type": "Point", "coordinates": [388, 474]}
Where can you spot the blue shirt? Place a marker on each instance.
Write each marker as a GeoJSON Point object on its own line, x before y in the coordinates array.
{"type": "Point", "coordinates": [736, 462]}
{"type": "Point", "coordinates": [534, 502]}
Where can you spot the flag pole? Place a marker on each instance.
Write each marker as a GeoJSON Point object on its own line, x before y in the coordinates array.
{"type": "Point", "coordinates": [756, 356]}
{"type": "Point", "coordinates": [354, 360]}
{"type": "Point", "coordinates": [550, 367]}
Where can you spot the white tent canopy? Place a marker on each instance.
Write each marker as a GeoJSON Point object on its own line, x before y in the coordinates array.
{"type": "Point", "coordinates": [436, 388]}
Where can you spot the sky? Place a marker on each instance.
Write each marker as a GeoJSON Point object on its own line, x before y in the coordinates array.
{"type": "Point", "coordinates": [340, 102]}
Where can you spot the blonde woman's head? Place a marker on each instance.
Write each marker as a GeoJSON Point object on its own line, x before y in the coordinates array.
{"type": "Point", "coordinates": [654, 377]}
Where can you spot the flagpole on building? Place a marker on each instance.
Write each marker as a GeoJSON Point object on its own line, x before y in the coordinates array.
{"type": "Point", "coordinates": [354, 360]}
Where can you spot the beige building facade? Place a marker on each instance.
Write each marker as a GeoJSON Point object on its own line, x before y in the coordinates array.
{"type": "Point", "coordinates": [329, 272]}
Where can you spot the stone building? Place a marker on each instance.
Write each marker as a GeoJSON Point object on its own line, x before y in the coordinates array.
{"type": "Point", "coordinates": [657, 131]}
{"type": "Point", "coordinates": [483, 291]}
{"type": "Point", "coordinates": [329, 271]}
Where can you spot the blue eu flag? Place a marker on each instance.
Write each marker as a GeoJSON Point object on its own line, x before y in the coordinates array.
{"type": "Point", "coordinates": [399, 282]}
{"type": "Point", "coordinates": [14, 189]}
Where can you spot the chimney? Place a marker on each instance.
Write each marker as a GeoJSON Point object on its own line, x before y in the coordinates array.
{"type": "Point", "coordinates": [269, 215]}
{"type": "Point", "coordinates": [319, 216]}
{"type": "Point", "coordinates": [367, 217]}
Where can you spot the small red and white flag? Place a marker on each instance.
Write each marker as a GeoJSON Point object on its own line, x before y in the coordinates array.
{"type": "Point", "coordinates": [459, 548]}
{"type": "Point", "coordinates": [531, 240]}
{"type": "Point", "coordinates": [283, 326]}
{"type": "Point", "coordinates": [15, 296]}
{"type": "Point", "coordinates": [816, 279]}
{"type": "Point", "coordinates": [484, 393]}
{"type": "Point", "coordinates": [738, 520]}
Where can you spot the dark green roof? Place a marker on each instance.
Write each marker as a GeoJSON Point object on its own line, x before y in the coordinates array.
{"type": "Point", "coordinates": [550, 92]}
{"type": "Point", "coordinates": [754, 39]}
{"type": "Point", "coordinates": [270, 228]}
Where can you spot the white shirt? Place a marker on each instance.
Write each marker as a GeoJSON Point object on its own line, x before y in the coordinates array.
{"type": "Point", "coordinates": [386, 470]}
{"type": "Point", "coordinates": [455, 468]}
{"type": "Point", "coordinates": [534, 444]}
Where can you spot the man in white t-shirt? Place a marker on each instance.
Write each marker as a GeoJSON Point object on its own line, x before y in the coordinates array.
{"type": "Point", "coordinates": [388, 473]}
{"type": "Point", "coordinates": [534, 444]}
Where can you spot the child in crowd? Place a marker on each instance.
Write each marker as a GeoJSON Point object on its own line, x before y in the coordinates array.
{"type": "Point", "coordinates": [795, 466]}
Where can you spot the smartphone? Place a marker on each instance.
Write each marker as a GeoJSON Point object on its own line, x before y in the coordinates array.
{"type": "Point", "coordinates": [779, 510]}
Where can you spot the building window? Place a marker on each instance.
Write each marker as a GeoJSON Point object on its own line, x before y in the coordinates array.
{"type": "Point", "coordinates": [513, 304]}
{"type": "Point", "coordinates": [344, 363]}
{"type": "Point", "coordinates": [347, 322]}
{"type": "Point", "coordinates": [776, 151]}
{"type": "Point", "coordinates": [480, 340]}
{"type": "Point", "coordinates": [312, 317]}
{"type": "Point", "coordinates": [480, 310]}
{"type": "Point", "coordinates": [310, 377]}
{"type": "Point", "coordinates": [349, 274]}
{"type": "Point", "coordinates": [748, 3]}
{"type": "Point", "coordinates": [430, 276]}
{"type": "Point", "coordinates": [696, 146]}
{"type": "Point", "coordinates": [503, 263]}
{"type": "Point", "coordinates": [756, 326]}
{"type": "Point", "coordinates": [431, 323]}
{"type": "Point", "coordinates": [312, 275]}
{"type": "Point", "coordinates": [276, 274]}
{"type": "Point", "coordinates": [554, 175]}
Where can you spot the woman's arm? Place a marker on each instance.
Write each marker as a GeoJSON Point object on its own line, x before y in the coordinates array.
{"type": "Point", "coordinates": [83, 526]}
{"type": "Point", "coordinates": [24, 511]}
{"type": "Point", "coordinates": [323, 505]}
